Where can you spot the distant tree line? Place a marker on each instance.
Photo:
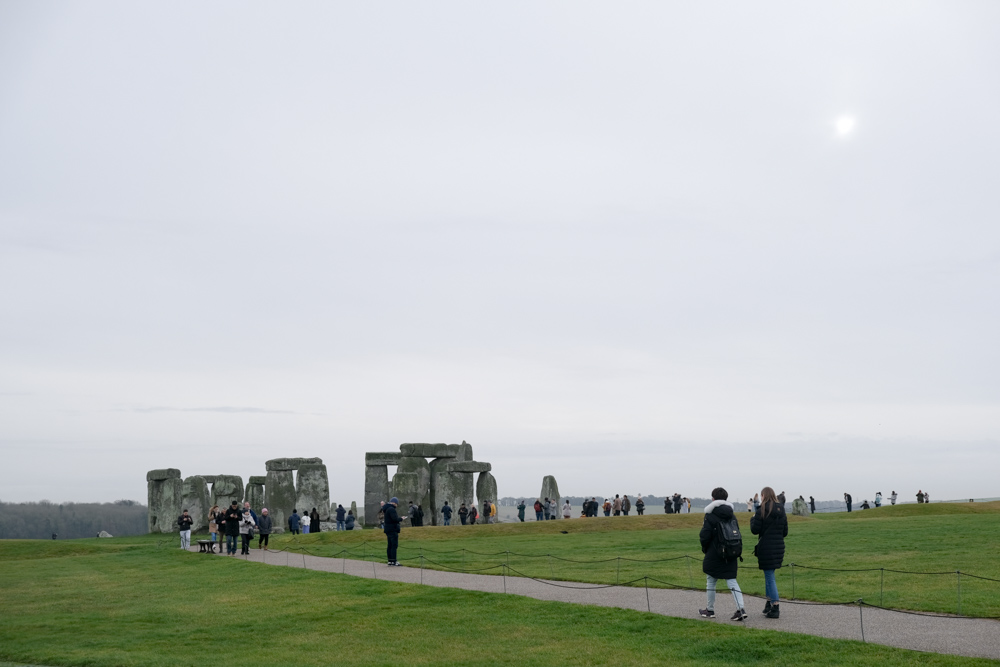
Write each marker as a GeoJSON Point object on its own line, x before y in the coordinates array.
{"type": "Point", "coordinates": [42, 519]}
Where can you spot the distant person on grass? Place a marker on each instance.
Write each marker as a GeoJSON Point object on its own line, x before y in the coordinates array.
{"type": "Point", "coordinates": [314, 526]}
{"type": "Point", "coordinates": [304, 521]}
{"type": "Point", "coordinates": [232, 519]}
{"type": "Point", "coordinates": [878, 499]}
{"type": "Point", "coordinates": [446, 513]}
{"type": "Point", "coordinates": [184, 521]}
{"type": "Point", "coordinates": [264, 526]}
{"type": "Point", "coordinates": [607, 507]}
{"type": "Point", "coordinates": [349, 523]}
{"type": "Point", "coordinates": [812, 505]}
{"type": "Point", "coordinates": [473, 515]}
{"type": "Point", "coordinates": [616, 506]}
{"type": "Point", "coordinates": [545, 508]}
{"type": "Point", "coordinates": [771, 525]}
{"type": "Point", "coordinates": [668, 505]}
{"type": "Point", "coordinates": [640, 505]}
{"type": "Point", "coordinates": [539, 510]}
{"type": "Point", "coordinates": [626, 505]}
{"type": "Point", "coordinates": [719, 562]}
{"type": "Point", "coordinates": [341, 517]}
{"type": "Point", "coordinates": [520, 510]}
{"type": "Point", "coordinates": [567, 511]}
{"type": "Point", "coordinates": [463, 513]}
{"type": "Point", "coordinates": [848, 500]}
{"type": "Point", "coordinates": [553, 509]}
{"type": "Point", "coordinates": [294, 522]}
{"type": "Point", "coordinates": [392, 521]}
{"type": "Point", "coordinates": [920, 496]}
{"type": "Point", "coordinates": [892, 498]}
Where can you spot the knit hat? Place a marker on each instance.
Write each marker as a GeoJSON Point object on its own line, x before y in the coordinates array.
{"type": "Point", "coordinates": [394, 500]}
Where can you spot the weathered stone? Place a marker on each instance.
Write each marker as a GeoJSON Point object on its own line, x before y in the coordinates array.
{"type": "Point", "coordinates": [279, 497]}
{"type": "Point", "coordinates": [468, 466]}
{"type": "Point", "coordinates": [257, 479]}
{"type": "Point", "coordinates": [420, 491]}
{"type": "Point", "coordinates": [455, 487]}
{"type": "Point", "coordinates": [376, 491]}
{"type": "Point", "coordinates": [312, 489]}
{"type": "Point", "coordinates": [226, 489]}
{"type": "Point", "coordinates": [550, 490]}
{"type": "Point", "coordinates": [357, 517]}
{"type": "Point", "coordinates": [406, 487]}
{"type": "Point", "coordinates": [486, 489]}
{"type": "Point", "coordinates": [164, 503]}
{"type": "Point", "coordinates": [438, 492]}
{"type": "Point", "coordinates": [255, 494]}
{"type": "Point", "coordinates": [163, 474]}
{"type": "Point", "coordinates": [209, 479]}
{"type": "Point", "coordinates": [104, 533]}
{"type": "Point", "coordinates": [195, 500]}
{"type": "Point", "coordinates": [799, 507]}
{"type": "Point", "coordinates": [290, 464]}
{"type": "Point", "coordinates": [382, 458]}
{"type": "Point", "coordinates": [427, 451]}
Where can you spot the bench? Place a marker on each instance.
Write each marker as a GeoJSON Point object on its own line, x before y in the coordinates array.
{"type": "Point", "coordinates": [206, 547]}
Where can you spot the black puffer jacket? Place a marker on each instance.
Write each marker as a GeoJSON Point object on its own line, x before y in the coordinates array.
{"type": "Point", "coordinates": [714, 565]}
{"type": "Point", "coordinates": [772, 530]}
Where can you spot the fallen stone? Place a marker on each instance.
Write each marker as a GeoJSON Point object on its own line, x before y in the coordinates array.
{"type": "Point", "coordinates": [104, 533]}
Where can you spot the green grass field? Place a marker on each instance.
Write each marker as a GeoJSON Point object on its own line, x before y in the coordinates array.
{"type": "Point", "coordinates": [141, 601]}
{"type": "Point", "coordinates": [941, 537]}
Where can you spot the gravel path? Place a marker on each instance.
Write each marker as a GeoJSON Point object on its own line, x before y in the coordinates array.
{"type": "Point", "coordinates": [954, 635]}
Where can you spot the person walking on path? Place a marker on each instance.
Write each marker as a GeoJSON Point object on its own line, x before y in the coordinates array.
{"type": "Point", "coordinates": [567, 510]}
{"type": "Point", "coordinates": [626, 505]}
{"type": "Point", "coordinates": [771, 525]}
{"type": "Point", "coordinates": [232, 519]}
{"type": "Point", "coordinates": [520, 510]}
{"type": "Point", "coordinates": [294, 522]}
{"type": "Point", "coordinates": [341, 518]}
{"type": "Point", "coordinates": [848, 500]}
{"type": "Point", "coordinates": [392, 521]}
{"type": "Point", "coordinates": [812, 505]}
{"type": "Point", "coordinates": [184, 521]}
{"type": "Point", "coordinates": [246, 531]}
{"type": "Point", "coordinates": [538, 510]}
{"type": "Point", "coordinates": [640, 505]}
{"type": "Point", "coordinates": [892, 498]}
{"type": "Point", "coordinates": [617, 505]}
{"type": "Point", "coordinates": [716, 565]}
{"type": "Point", "coordinates": [463, 513]}
{"type": "Point", "coordinates": [878, 499]}
{"type": "Point", "coordinates": [446, 513]}
{"type": "Point", "coordinates": [264, 526]}
{"type": "Point", "coordinates": [314, 526]}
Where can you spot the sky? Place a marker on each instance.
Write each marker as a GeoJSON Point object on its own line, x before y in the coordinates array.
{"type": "Point", "coordinates": [643, 247]}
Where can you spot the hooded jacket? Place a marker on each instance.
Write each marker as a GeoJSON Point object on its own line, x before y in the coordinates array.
{"type": "Point", "coordinates": [772, 530]}
{"type": "Point", "coordinates": [391, 519]}
{"type": "Point", "coordinates": [265, 524]}
{"type": "Point", "coordinates": [717, 512]}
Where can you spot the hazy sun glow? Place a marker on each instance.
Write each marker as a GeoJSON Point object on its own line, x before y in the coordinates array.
{"type": "Point", "coordinates": [844, 125]}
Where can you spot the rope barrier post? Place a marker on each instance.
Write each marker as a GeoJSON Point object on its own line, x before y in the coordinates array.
{"type": "Point", "coordinates": [618, 571]}
{"type": "Point", "coordinates": [861, 616]}
{"type": "Point", "coordinates": [645, 580]}
{"type": "Point", "coordinates": [793, 581]}
{"type": "Point", "coordinates": [958, 575]}
{"type": "Point", "coordinates": [881, 587]}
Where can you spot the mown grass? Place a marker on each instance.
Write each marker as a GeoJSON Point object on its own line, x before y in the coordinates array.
{"type": "Point", "coordinates": [130, 602]}
{"type": "Point", "coordinates": [916, 538]}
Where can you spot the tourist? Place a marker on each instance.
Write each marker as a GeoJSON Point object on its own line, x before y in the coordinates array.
{"type": "Point", "coordinates": [892, 498]}
{"type": "Point", "coordinates": [184, 521]}
{"type": "Point", "coordinates": [294, 522]}
{"type": "Point", "coordinates": [687, 501]}
{"type": "Point", "coordinates": [247, 508]}
{"type": "Point", "coordinates": [473, 515]}
{"type": "Point", "coordinates": [341, 517]}
{"type": "Point", "coordinates": [920, 496]}
{"type": "Point", "coordinates": [314, 526]}
{"type": "Point", "coordinates": [214, 516]}
{"type": "Point", "coordinates": [538, 509]}
{"type": "Point", "coordinates": [552, 509]}
{"type": "Point", "coordinates": [246, 531]}
{"type": "Point", "coordinates": [446, 513]}
{"type": "Point", "coordinates": [878, 499]}
{"type": "Point", "coordinates": [848, 500]}
{"type": "Point", "coordinates": [392, 526]}
{"type": "Point", "coordinates": [420, 516]}
{"type": "Point", "coordinates": [494, 516]}
{"type": "Point", "coordinates": [639, 505]}
{"type": "Point", "coordinates": [306, 522]}
{"type": "Point", "coordinates": [668, 505]}
{"type": "Point", "coordinates": [770, 524]}
{"type": "Point", "coordinates": [232, 520]}
{"type": "Point", "coordinates": [349, 524]}
{"type": "Point", "coordinates": [264, 527]}
{"type": "Point", "coordinates": [626, 505]}
{"type": "Point", "coordinates": [567, 511]}
{"type": "Point", "coordinates": [616, 505]}
{"type": "Point", "coordinates": [463, 513]}
{"type": "Point", "coordinates": [545, 508]}
{"type": "Point", "coordinates": [865, 505]}
{"type": "Point", "coordinates": [927, 497]}
{"type": "Point", "coordinates": [594, 505]}
{"type": "Point", "coordinates": [717, 565]}
{"type": "Point", "coordinates": [381, 514]}
{"type": "Point", "coordinates": [607, 507]}
{"type": "Point", "coordinates": [678, 501]}
{"type": "Point", "coordinates": [520, 510]}
{"type": "Point", "coordinates": [781, 498]}
{"type": "Point", "coordinates": [812, 505]}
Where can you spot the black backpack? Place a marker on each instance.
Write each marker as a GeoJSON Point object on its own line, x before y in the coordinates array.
{"type": "Point", "coordinates": [728, 541]}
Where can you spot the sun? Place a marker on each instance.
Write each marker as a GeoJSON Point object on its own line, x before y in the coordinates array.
{"type": "Point", "coordinates": [844, 124]}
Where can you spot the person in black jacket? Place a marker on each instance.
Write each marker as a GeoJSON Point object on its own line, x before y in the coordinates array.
{"type": "Point", "coordinates": [716, 566]}
{"type": "Point", "coordinates": [771, 524]}
{"type": "Point", "coordinates": [392, 521]}
{"type": "Point", "coordinates": [232, 518]}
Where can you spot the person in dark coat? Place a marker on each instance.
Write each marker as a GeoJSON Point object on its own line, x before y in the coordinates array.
{"type": "Point", "coordinates": [392, 521]}
{"type": "Point", "coordinates": [232, 519]}
{"type": "Point", "coordinates": [771, 524]}
{"type": "Point", "coordinates": [264, 527]}
{"type": "Point", "coordinates": [314, 521]}
{"type": "Point", "coordinates": [715, 566]}
{"type": "Point", "coordinates": [341, 518]}
{"type": "Point", "coordinates": [812, 505]}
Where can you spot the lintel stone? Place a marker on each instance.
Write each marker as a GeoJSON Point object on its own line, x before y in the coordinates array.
{"type": "Point", "coordinates": [163, 474]}
{"type": "Point", "coordinates": [382, 458]}
{"type": "Point", "coordinates": [257, 479]}
{"type": "Point", "coordinates": [429, 451]}
{"type": "Point", "coordinates": [290, 464]}
{"type": "Point", "coordinates": [469, 466]}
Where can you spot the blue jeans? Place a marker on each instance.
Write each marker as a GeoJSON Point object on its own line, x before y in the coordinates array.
{"type": "Point", "coordinates": [305, 530]}
{"type": "Point", "coordinates": [231, 543]}
{"type": "Point", "coordinates": [341, 525]}
{"type": "Point", "coordinates": [538, 516]}
{"type": "Point", "coordinates": [770, 586]}
{"type": "Point", "coordinates": [733, 586]}
{"type": "Point", "coordinates": [447, 521]}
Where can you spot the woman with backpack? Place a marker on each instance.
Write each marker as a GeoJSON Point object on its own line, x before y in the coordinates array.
{"type": "Point", "coordinates": [473, 515]}
{"type": "Point", "coordinates": [770, 524]}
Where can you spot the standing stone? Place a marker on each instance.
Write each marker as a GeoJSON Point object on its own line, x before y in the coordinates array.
{"type": "Point", "coordinates": [165, 492]}
{"type": "Point", "coordinates": [255, 493]}
{"type": "Point", "coordinates": [226, 489]}
{"type": "Point", "coordinates": [799, 507]}
{"type": "Point", "coordinates": [406, 487]}
{"type": "Point", "coordinates": [357, 519]}
{"type": "Point", "coordinates": [414, 475]}
{"type": "Point", "coordinates": [313, 490]}
{"type": "Point", "coordinates": [377, 489]}
{"type": "Point", "coordinates": [195, 500]}
{"type": "Point", "coordinates": [486, 489]}
{"type": "Point", "coordinates": [551, 490]}
{"type": "Point", "coordinates": [279, 497]}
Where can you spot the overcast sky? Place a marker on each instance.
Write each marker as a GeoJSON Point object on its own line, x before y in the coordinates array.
{"type": "Point", "coordinates": [643, 247]}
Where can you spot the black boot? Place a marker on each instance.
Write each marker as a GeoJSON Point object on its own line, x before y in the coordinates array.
{"type": "Point", "coordinates": [767, 607]}
{"type": "Point", "coordinates": [773, 612]}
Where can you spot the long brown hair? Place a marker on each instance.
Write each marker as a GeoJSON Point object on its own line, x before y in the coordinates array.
{"type": "Point", "coordinates": [768, 501]}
